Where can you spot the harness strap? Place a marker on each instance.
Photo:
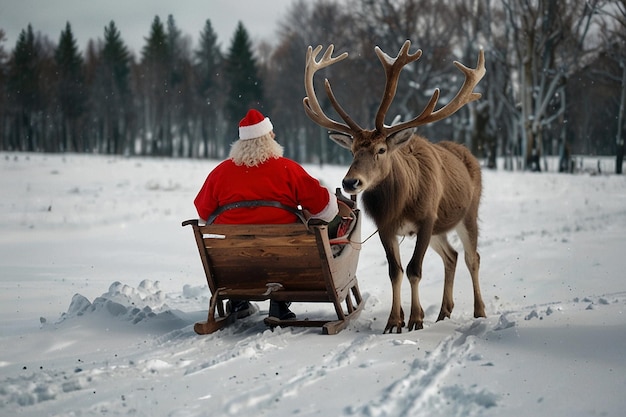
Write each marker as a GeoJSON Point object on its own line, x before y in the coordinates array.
{"type": "Point", "coordinates": [255, 203]}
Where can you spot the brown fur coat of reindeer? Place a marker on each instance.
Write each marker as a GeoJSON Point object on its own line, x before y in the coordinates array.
{"type": "Point", "coordinates": [409, 185]}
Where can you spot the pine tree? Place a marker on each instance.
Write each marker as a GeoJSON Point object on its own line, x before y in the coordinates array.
{"type": "Point", "coordinates": [156, 43]}
{"type": "Point", "coordinates": [245, 87]}
{"type": "Point", "coordinates": [177, 92]}
{"type": "Point", "coordinates": [208, 62]}
{"type": "Point", "coordinates": [3, 93]}
{"type": "Point", "coordinates": [113, 80]}
{"type": "Point", "coordinates": [3, 55]}
{"type": "Point", "coordinates": [24, 93]}
{"type": "Point", "coordinates": [71, 89]}
{"type": "Point", "coordinates": [116, 58]}
{"type": "Point", "coordinates": [155, 86]}
{"type": "Point", "coordinates": [208, 59]}
{"type": "Point", "coordinates": [175, 51]}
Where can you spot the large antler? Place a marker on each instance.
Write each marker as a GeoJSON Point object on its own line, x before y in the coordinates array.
{"type": "Point", "coordinates": [311, 105]}
{"type": "Point", "coordinates": [392, 69]}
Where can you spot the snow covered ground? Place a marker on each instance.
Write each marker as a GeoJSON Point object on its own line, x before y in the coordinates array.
{"type": "Point", "coordinates": [100, 287]}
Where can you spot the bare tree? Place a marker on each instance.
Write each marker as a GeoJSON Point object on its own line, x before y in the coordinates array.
{"type": "Point", "coordinates": [548, 40]}
{"type": "Point", "coordinates": [305, 23]}
{"type": "Point", "coordinates": [614, 40]}
{"type": "Point", "coordinates": [427, 24]}
{"type": "Point", "coordinates": [471, 21]}
{"type": "Point", "coordinates": [501, 109]}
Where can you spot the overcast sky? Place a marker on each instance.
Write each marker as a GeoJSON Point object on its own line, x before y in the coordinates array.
{"type": "Point", "coordinates": [133, 18]}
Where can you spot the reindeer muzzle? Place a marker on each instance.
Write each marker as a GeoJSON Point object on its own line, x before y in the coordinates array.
{"type": "Point", "coordinates": [351, 185]}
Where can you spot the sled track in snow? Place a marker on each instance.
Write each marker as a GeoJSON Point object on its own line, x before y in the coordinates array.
{"type": "Point", "coordinates": [417, 391]}
{"type": "Point", "coordinates": [264, 397]}
{"type": "Point", "coordinates": [423, 388]}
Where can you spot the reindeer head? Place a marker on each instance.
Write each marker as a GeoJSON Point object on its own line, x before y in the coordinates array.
{"type": "Point", "coordinates": [372, 150]}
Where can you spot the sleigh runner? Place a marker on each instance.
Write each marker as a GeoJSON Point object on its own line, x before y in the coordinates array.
{"type": "Point", "coordinates": [281, 262]}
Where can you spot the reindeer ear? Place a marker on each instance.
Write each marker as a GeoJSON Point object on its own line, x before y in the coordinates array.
{"type": "Point", "coordinates": [398, 139]}
{"type": "Point", "coordinates": [343, 140]}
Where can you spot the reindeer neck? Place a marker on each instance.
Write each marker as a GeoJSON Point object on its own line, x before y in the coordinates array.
{"type": "Point", "coordinates": [397, 186]}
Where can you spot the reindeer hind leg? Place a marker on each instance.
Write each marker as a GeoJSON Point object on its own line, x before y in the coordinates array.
{"type": "Point", "coordinates": [468, 233]}
{"type": "Point", "coordinates": [414, 273]}
{"type": "Point", "coordinates": [440, 244]}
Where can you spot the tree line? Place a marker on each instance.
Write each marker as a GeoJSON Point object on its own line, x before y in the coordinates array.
{"type": "Point", "coordinates": [555, 82]}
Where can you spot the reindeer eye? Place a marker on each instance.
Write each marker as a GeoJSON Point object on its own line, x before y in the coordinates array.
{"type": "Point", "coordinates": [381, 151]}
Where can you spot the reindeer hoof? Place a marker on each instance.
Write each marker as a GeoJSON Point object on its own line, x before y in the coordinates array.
{"type": "Point", "coordinates": [479, 309]}
{"type": "Point", "coordinates": [415, 325]}
{"type": "Point", "coordinates": [390, 326]}
{"type": "Point", "coordinates": [443, 315]}
{"type": "Point", "coordinates": [390, 331]}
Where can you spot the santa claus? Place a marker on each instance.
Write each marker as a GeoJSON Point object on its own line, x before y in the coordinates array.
{"type": "Point", "coordinates": [256, 170]}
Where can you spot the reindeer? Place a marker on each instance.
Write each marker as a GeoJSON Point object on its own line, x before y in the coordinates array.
{"type": "Point", "coordinates": [409, 185]}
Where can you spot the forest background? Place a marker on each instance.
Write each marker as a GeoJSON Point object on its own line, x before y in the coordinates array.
{"type": "Point", "coordinates": [555, 82]}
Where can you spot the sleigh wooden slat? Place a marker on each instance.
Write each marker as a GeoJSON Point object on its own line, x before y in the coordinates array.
{"type": "Point", "coordinates": [285, 262]}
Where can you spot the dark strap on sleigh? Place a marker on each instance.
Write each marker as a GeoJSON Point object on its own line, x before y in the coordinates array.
{"type": "Point", "coordinates": [255, 203]}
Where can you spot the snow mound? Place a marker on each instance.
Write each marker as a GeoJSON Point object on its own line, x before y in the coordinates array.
{"type": "Point", "coordinates": [125, 303]}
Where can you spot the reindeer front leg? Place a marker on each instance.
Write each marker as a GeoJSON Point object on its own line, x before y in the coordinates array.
{"type": "Point", "coordinates": [414, 273]}
{"type": "Point", "coordinates": [392, 250]}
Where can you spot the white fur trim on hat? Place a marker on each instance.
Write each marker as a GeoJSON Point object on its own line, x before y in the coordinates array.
{"type": "Point", "coordinates": [255, 131]}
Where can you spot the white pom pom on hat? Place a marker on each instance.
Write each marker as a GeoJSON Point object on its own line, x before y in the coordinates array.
{"type": "Point", "coordinates": [254, 125]}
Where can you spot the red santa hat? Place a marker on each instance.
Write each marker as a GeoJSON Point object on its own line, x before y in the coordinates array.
{"type": "Point", "coordinates": [254, 125]}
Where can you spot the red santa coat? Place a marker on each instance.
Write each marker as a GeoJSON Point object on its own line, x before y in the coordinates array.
{"type": "Point", "coordinates": [277, 179]}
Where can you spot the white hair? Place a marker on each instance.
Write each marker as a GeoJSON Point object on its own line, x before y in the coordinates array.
{"type": "Point", "coordinates": [253, 152]}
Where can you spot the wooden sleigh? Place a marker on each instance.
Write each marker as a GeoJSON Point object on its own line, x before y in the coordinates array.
{"type": "Point", "coordinates": [282, 262]}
